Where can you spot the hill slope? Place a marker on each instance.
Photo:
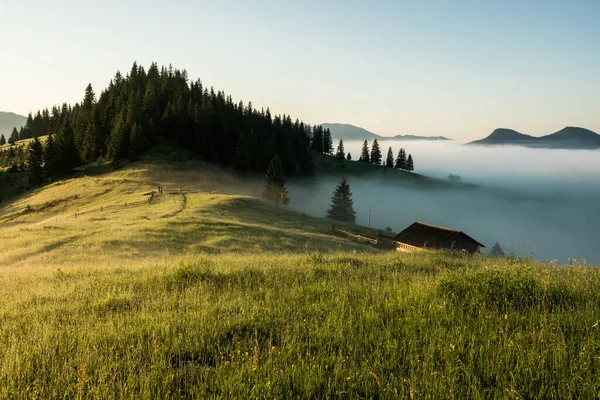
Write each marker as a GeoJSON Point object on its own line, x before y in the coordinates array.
{"type": "Point", "coordinates": [103, 217]}
{"type": "Point", "coordinates": [209, 295]}
{"type": "Point", "coordinates": [567, 138]}
{"type": "Point", "coordinates": [8, 120]}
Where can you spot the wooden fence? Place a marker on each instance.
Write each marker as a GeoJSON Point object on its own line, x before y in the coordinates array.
{"type": "Point", "coordinates": [381, 242]}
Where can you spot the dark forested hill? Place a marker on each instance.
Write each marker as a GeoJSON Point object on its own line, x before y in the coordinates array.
{"type": "Point", "coordinates": [567, 138]}
{"type": "Point", "coordinates": [145, 108]}
{"type": "Point", "coordinates": [8, 121]}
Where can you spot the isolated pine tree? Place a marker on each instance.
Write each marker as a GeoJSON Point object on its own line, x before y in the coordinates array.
{"type": "Point", "coordinates": [327, 142]}
{"type": "Point", "coordinates": [375, 153]}
{"type": "Point", "coordinates": [340, 151]}
{"type": "Point", "coordinates": [496, 251]}
{"type": "Point", "coordinates": [389, 161]}
{"type": "Point", "coordinates": [342, 206]}
{"type": "Point", "coordinates": [401, 159]}
{"type": "Point", "coordinates": [2, 140]}
{"type": "Point", "coordinates": [410, 166]}
{"type": "Point", "coordinates": [34, 162]}
{"type": "Point", "coordinates": [349, 157]}
{"type": "Point", "coordinates": [275, 182]}
{"type": "Point", "coordinates": [364, 154]}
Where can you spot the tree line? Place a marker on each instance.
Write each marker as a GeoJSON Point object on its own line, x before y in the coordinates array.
{"type": "Point", "coordinates": [402, 161]}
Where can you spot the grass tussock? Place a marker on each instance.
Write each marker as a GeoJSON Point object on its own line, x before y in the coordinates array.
{"type": "Point", "coordinates": [520, 288]}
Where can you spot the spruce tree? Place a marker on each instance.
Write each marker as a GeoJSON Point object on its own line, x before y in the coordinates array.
{"type": "Point", "coordinates": [389, 161]}
{"type": "Point", "coordinates": [50, 157]}
{"type": "Point", "coordinates": [118, 144]}
{"type": "Point", "coordinates": [364, 155]}
{"type": "Point", "coordinates": [317, 139]}
{"type": "Point", "coordinates": [375, 153]}
{"type": "Point", "coordinates": [34, 162]}
{"type": "Point", "coordinates": [67, 156]}
{"type": "Point", "coordinates": [92, 143]}
{"type": "Point", "coordinates": [496, 251]}
{"type": "Point", "coordinates": [401, 160]}
{"type": "Point", "coordinates": [340, 151]}
{"type": "Point", "coordinates": [410, 167]}
{"type": "Point", "coordinates": [349, 157]}
{"type": "Point", "coordinates": [14, 136]}
{"type": "Point", "coordinates": [327, 142]}
{"type": "Point", "coordinates": [137, 142]}
{"type": "Point", "coordinates": [2, 140]}
{"type": "Point", "coordinates": [342, 206]}
{"type": "Point", "coordinates": [274, 186]}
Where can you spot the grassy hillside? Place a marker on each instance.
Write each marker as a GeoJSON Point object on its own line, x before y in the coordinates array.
{"type": "Point", "coordinates": [24, 142]}
{"type": "Point", "coordinates": [217, 295]}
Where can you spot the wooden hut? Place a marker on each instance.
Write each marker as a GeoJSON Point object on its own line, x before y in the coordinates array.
{"type": "Point", "coordinates": [424, 235]}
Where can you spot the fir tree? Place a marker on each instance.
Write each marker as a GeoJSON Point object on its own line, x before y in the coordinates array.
{"type": "Point", "coordinates": [14, 136]}
{"type": "Point", "coordinates": [340, 151]}
{"type": "Point", "coordinates": [93, 144]}
{"type": "Point", "coordinates": [275, 182]}
{"type": "Point", "coordinates": [496, 251]}
{"type": "Point", "coordinates": [119, 140]}
{"type": "Point", "coordinates": [50, 157]}
{"type": "Point", "coordinates": [327, 142]}
{"type": "Point", "coordinates": [137, 142]}
{"type": "Point", "coordinates": [349, 157]}
{"type": "Point", "coordinates": [67, 156]}
{"type": "Point", "coordinates": [34, 162]}
{"type": "Point", "coordinates": [389, 161]}
{"type": "Point", "coordinates": [364, 155]}
{"type": "Point", "coordinates": [401, 159]}
{"type": "Point", "coordinates": [317, 139]}
{"type": "Point", "coordinates": [342, 208]}
{"type": "Point", "coordinates": [2, 140]}
{"type": "Point", "coordinates": [375, 153]}
{"type": "Point", "coordinates": [410, 167]}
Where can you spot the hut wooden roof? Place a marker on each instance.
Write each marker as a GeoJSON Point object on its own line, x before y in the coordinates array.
{"type": "Point", "coordinates": [421, 234]}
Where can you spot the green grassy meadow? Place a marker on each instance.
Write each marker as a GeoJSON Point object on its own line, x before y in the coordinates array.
{"type": "Point", "coordinates": [216, 294]}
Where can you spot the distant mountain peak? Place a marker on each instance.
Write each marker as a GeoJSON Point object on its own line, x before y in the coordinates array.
{"type": "Point", "coordinates": [350, 132]}
{"type": "Point", "coordinates": [9, 120]}
{"type": "Point", "coordinates": [567, 138]}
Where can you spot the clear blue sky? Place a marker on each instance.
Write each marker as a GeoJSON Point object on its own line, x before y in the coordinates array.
{"type": "Point", "coordinates": [456, 68]}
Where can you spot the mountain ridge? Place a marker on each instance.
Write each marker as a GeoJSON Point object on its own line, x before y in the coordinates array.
{"type": "Point", "coordinates": [570, 137]}
{"type": "Point", "coordinates": [350, 132]}
{"type": "Point", "coordinates": [9, 120]}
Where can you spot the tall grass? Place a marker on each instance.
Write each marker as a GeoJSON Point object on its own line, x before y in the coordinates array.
{"type": "Point", "coordinates": [228, 297]}
{"type": "Point", "coordinates": [306, 326]}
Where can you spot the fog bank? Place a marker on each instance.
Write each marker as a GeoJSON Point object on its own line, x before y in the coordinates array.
{"type": "Point", "coordinates": [540, 201]}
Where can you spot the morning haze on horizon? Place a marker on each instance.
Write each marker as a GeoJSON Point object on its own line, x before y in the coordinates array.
{"type": "Point", "coordinates": [452, 68]}
{"type": "Point", "coordinates": [300, 200]}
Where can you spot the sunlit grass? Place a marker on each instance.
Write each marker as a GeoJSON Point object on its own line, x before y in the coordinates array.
{"type": "Point", "coordinates": [224, 296]}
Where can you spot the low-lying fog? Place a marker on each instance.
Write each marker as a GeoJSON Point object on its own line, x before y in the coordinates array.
{"type": "Point", "coordinates": [540, 201]}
